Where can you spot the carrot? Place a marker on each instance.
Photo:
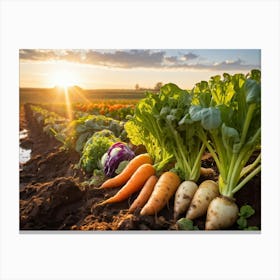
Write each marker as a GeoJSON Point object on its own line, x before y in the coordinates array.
{"type": "Point", "coordinates": [164, 189]}
{"type": "Point", "coordinates": [124, 176]}
{"type": "Point", "coordinates": [134, 184]}
{"type": "Point", "coordinates": [144, 194]}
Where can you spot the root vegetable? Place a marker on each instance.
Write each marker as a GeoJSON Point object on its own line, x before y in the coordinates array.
{"type": "Point", "coordinates": [222, 213]}
{"type": "Point", "coordinates": [206, 172]}
{"type": "Point", "coordinates": [232, 144]}
{"type": "Point", "coordinates": [129, 170]}
{"type": "Point", "coordinates": [144, 194]}
{"type": "Point", "coordinates": [206, 191]}
{"type": "Point", "coordinates": [164, 189]}
{"type": "Point", "coordinates": [134, 184]}
{"type": "Point", "coordinates": [183, 197]}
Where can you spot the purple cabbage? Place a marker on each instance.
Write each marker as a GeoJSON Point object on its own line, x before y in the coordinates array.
{"type": "Point", "coordinates": [117, 153]}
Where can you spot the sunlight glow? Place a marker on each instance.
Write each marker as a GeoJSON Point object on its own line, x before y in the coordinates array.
{"type": "Point", "coordinates": [68, 104]}
{"type": "Point", "coordinates": [63, 79]}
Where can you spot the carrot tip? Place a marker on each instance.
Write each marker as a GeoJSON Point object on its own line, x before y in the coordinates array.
{"type": "Point", "coordinates": [101, 203]}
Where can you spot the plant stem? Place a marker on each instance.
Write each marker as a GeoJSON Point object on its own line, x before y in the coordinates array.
{"type": "Point", "coordinates": [248, 119]}
{"type": "Point", "coordinates": [247, 169]}
{"type": "Point", "coordinates": [180, 155]}
{"type": "Point", "coordinates": [195, 173]}
{"type": "Point", "coordinates": [247, 179]}
{"type": "Point", "coordinates": [219, 148]}
{"type": "Point", "coordinates": [231, 166]}
{"type": "Point", "coordinates": [235, 174]}
{"type": "Point", "coordinates": [214, 155]}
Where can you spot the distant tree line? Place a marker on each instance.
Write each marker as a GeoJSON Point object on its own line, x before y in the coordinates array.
{"type": "Point", "coordinates": [157, 87]}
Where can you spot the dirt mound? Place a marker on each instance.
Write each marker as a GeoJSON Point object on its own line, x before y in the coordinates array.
{"type": "Point", "coordinates": [50, 165]}
{"type": "Point", "coordinates": [49, 205]}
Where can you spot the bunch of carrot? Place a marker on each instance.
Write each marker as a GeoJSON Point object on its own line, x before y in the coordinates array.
{"type": "Point", "coordinates": [154, 193]}
{"type": "Point", "coordinates": [139, 175]}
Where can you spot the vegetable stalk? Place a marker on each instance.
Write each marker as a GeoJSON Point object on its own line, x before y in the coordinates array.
{"type": "Point", "coordinates": [230, 128]}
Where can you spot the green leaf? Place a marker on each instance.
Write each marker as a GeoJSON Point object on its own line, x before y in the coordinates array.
{"type": "Point", "coordinates": [227, 77]}
{"type": "Point", "coordinates": [215, 79]}
{"type": "Point", "coordinates": [81, 141]}
{"type": "Point", "coordinates": [252, 228]}
{"type": "Point", "coordinates": [230, 136]}
{"type": "Point", "coordinates": [210, 117]}
{"type": "Point", "coordinates": [253, 91]}
{"type": "Point", "coordinates": [238, 81]}
{"type": "Point", "coordinates": [90, 123]}
{"type": "Point", "coordinates": [195, 112]}
{"type": "Point", "coordinates": [201, 94]}
{"type": "Point", "coordinates": [230, 133]}
{"type": "Point", "coordinates": [242, 222]}
{"type": "Point", "coordinates": [246, 211]}
{"type": "Point", "coordinates": [226, 113]}
{"type": "Point", "coordinates": [186, 224]}
{"type": "Point", "coordinates": [81, 128]}
{"type": "Point", "coordinates": [164, 111]}
{"type": "Point", "coordinates": [256, 75]}
{"type": "Point", "coordinates": [185, 121]}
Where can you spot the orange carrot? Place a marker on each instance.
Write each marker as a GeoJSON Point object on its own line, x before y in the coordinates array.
{"type": "Point", "coordinates": [144, 194]}
{"type": "Point", "coordinates": [134, 184]}
{"type": "Point", "coordinates": [163, 191]}
{"type": "Point", "coordinates": [124, 176]}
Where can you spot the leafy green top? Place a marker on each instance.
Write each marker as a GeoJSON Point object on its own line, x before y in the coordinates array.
{"type": "Point", "coordinates": [162, 124]}
{"type": "Point", "coordinates": [229, 112]}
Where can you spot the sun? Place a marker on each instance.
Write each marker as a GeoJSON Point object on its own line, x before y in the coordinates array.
{"type": "Point", "coordinates": [64, 79]}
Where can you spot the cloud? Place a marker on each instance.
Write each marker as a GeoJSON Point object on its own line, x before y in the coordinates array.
{"type": "Point", "coordinates": [118, 58]}
{"type": "Point", "coordinates": [36, 55]}
{"type": "Point", "coordinates": [171, 59]}
{"type": "Point", "coordinates": [190, 56]}
{"type": "Point", "coordinates": [230, 64]}
{"type": "Point", "coordinates": [126, 59]}
{"type": "Point", "coordinates": [49, 55]}
{"type": "Point", "coordinates": [226, 65]}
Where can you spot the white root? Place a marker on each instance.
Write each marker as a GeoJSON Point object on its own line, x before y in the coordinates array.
{"type": "Point", "coordinates": [206, 191]}
{"type": "Point", "coordinates": [222, 213]}
{"type": "Point", "coordinates": [183, 197]}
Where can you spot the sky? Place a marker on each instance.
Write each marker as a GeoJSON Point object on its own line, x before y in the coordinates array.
{"type": "Point", "coordinates": [124, 68]}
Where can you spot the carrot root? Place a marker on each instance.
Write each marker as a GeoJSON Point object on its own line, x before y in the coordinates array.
{"type": "Point", "coordinates": [126, 174]}
{"type": "Point", "coordinates": [134, 184]}
{"type": "Point", "coordinates": [163, 191]}
{"type": "Point", "coordinates": [144, 194]}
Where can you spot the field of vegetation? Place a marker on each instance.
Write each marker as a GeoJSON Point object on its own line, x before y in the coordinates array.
{"type": "Point", "coordinates": [76, 95]}
{"type": "Point", "coordinates": [171, 159]}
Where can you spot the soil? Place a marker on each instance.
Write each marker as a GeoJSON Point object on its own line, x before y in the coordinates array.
{"type": "Point", "coordinates": [53, 195]}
